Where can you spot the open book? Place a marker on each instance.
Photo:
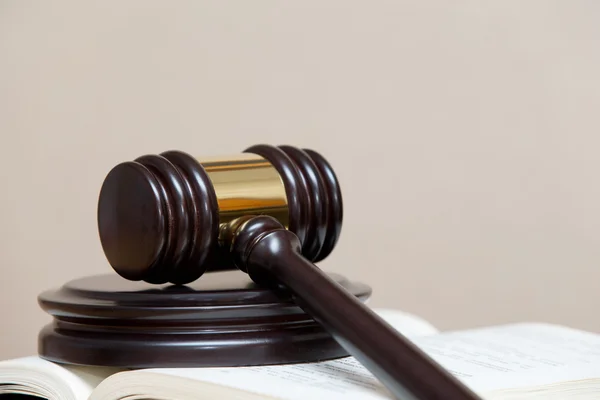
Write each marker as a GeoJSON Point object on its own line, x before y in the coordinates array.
{"type": "Point", "coordinates": [516, 361]}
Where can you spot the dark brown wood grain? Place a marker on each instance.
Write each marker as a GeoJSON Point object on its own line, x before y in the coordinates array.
{"type": "Point", "coordinates": [295, 186]}
{"type": "Point", "coordinates": [204, 212]}
{"type": "Point", "coordinates": [316, 201]}
{"type": "Point", "coordinates": [223, 319]}
{"type": "Point", "coordinates": [158, 218]}
{"type": "Point", "coordinates": [334, 207]}
{"type": "Point", "coordinates": [171, 194]}
{"type": "Point", "coordinates": [314, 196]}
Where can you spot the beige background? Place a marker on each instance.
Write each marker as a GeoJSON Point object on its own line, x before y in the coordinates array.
{"type": "Point", "coordinates": [465, 135]}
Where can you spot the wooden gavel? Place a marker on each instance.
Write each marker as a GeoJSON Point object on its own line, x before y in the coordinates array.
{"type": "Point", "coordinates": [271, 212]}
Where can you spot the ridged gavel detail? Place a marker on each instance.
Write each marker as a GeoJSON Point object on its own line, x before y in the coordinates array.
{"type": "Point", "coordinates": [158, 216]}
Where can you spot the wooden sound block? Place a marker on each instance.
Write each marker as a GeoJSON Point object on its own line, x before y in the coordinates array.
{"type": "Point", "coordinates": [222, 319]}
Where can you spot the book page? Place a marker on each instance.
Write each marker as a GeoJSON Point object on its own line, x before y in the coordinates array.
{"type": "Point", "coordinates": [486, 359]}
{"type": "Point", "coordinates": [36, 376]}
{"type": "Point", "coordinates": [408, 324]}
{"type": "Point", "coordinates": [335, 380]}
{"type": "Point", "coordinates": [518, 355]}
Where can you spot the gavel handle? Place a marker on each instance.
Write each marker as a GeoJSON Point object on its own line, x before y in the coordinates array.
{"type": "Point", "coordinates": [402, 367]}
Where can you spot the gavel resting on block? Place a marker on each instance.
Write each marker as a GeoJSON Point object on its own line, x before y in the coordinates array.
{"type": "Point", "coordinates": [170, 221]}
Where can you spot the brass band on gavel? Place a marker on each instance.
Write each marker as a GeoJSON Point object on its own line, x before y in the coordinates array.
{"type": "Point", "coordinates": [247, 184]}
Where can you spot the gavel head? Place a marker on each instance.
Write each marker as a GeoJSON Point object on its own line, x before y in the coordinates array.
{"type": "Point", "coordinates": [162, 218]}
